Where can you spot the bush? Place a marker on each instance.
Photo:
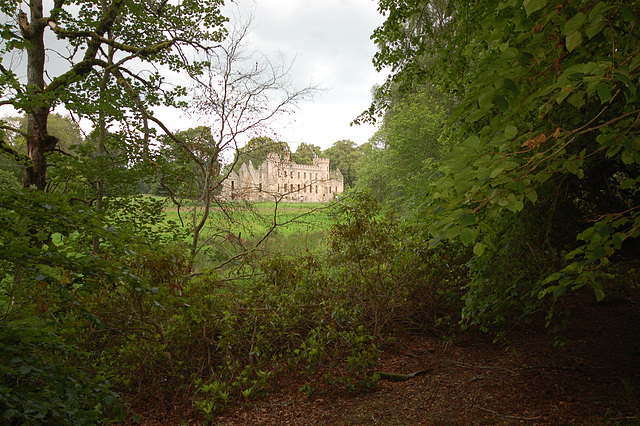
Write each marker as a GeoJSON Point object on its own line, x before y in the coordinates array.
{"type": "Point", "coordinates": [8, 181]}
{"type": "Point", "coordinates": [39, 383]}
{"type": "Point", "coordinates": [385, 269]}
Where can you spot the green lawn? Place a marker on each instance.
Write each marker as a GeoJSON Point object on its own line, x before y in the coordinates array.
{"type": "Point", "coordinates": [287, 228]}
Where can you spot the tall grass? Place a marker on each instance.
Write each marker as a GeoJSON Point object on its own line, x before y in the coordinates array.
{"type": "Point", "coordinates": [265, 227]}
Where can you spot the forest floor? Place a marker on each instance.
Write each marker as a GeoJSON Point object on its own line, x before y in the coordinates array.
{"type": "Point", "coordinates": [593, 379]}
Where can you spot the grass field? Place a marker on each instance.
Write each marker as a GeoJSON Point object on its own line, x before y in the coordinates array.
{"type": "Point", "coordinates": [287, 228]}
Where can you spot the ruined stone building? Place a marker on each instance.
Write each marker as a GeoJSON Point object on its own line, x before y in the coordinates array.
{"type": "Point", "coordinates": [279, 178]}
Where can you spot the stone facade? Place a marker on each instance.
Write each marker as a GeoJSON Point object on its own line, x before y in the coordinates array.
{"type": "Point", "coordinates": [279, 178]}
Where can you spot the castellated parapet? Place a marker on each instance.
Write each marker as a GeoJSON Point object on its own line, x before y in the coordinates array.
{"type": "Point", "coordinates": [280, 179]}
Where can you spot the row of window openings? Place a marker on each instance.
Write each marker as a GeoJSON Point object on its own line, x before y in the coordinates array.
{"type": "Point", "coordinates": [305, 175]}
{"type": "Point", "coordinates": [304, 188]}
{"type": "Point", "coordinates": [291, 188]}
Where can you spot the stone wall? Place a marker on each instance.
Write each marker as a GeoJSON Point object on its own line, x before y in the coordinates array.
{"type": "Point", "coordinates": [279, 178]}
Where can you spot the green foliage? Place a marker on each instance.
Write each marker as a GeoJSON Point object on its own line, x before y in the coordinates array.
{"type": "Point", "coordinates": [39, 237]}
{"type": "Point", "coordinates": [405, 149]}
{"type": "Point", "coordinates": [216, 398]}
{"type": "Point", "coordinates": [563, 129]}
{"type": "Point", "coordinates": [256, 150]}
{"type": "Point", "coordinates": [544, 151]}
{"type": "Point", "coordinates": [39, 383]}
{"type": "Point", "coordinates": [144, 322]}
{"type": "Point", "coordinates": [306, 153]}
{"type": "Point", "coordinates": [118, 170]}
{"type": "Point", "coordinates": [48, 272]}
{"type": "Point", "coordinates": [8, 181]}
{"type": "Point", "coordinates": [420, 41]}
{"type": "Point", "coordinates": [344, 156]}
{"type": "Point", "coordinates": [142, 36]}
{"type": "Point", "coordinates": [507, 278]}
{"type": "Point", "coordinates": [363, 359]}
{"type": "Point", "coordinates": [384, 268]}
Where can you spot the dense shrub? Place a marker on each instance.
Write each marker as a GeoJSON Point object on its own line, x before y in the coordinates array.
{"type": "Point", "coordinates": [41, 381]}
{"type": "Point", "coordinates": [386, 269]}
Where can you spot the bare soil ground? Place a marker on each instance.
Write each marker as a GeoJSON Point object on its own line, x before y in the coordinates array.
{"type": "Point", "coordinates": [593, 379]}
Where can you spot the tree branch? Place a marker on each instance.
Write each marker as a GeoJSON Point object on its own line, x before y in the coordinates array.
{"type": "Point", "coordinates": [18, 157]}
{"type": "Point", "coordinates": [137, 51]}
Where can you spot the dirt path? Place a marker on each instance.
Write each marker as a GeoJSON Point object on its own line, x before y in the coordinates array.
{"type": "Point", "coordinates": [593, 379]}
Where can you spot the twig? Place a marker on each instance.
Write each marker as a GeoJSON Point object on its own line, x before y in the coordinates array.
{"type": "Point", "coordinates": [509, 417]}
{"type": "Point", "coordinates": [483, 367]}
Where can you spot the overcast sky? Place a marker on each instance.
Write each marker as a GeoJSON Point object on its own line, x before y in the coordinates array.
{"type": "Point", "coordinates": [330, 42]}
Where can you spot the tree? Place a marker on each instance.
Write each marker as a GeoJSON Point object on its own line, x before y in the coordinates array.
{"type": "Point", "coordinates": [344, 155]}
{"type": "Point", "coordinates": [417, 41]}
{"type": "Point", "coordinates": [64, 128]}
{"type": "Point", "coordinates": [256, 150]}
{"type": "Point", "coordinates": [240, 95]}
{"type": "Point", "coordinates": [405, 148]}
{"type": "Point", "coordinates": [542, 179]}
{"type": "Point", "coordinates": [139, 36]}
{"type": "Point", "coordinates": [306, 153]}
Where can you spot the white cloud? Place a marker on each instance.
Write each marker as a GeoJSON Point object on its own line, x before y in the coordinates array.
{"type": "Point", "coordinates": [330, 42]}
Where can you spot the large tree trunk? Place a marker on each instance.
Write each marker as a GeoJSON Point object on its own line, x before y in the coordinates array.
{"type": "Point", "coordinates": [39, 142]}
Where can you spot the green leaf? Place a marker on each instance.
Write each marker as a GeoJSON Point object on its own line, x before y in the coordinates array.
{"type": "Point", "coordinates": [594, 28]}
{"type": "Point", "coordinates": [531, 6]}
{"type": "Point", "coordinates": [476, 115]}
{"type": "Point", "coordinates": [634, 63]}
{"type": "Point", "coordinates": [597, 253]}
{"type": "Point", "coordinates": [532, 195]}
{"type": "Point", "coordinates": [510, 132]}
{"type": "Point", "coordinates": [573, 40]}
{"type": "Point", "coordinates": [604, 93]}
{"type": "Point", "coordinates": [596, 11]}
{"type": "Point", "coordinates": [467, 219]}
{"type": "Point", "coordinates": [627, 14]}
{"type": "Point", "coordinates": [577, 99]}
{"type": "Point", "coordinates": [467, 236]}
{"type": "Point", "coordinates": [502, 103]}
{"type": "Point", "coordinates": [436, 240]}
{"type": "Point", "coordinates": [574, 24]}
{"type": "Point", "coordinates": [599, 293]}
{"type": "Point", "coordinates": [495, 172]}
{"type": "Point", "coordinates": [471, 142]}
{"type": "Point", "coordinates": [516, 206]}
{"type": "Point", "coordinates": [627, 183]}
{"type": "Point", "coordinates": [479, 248]}
{"type": "Point", "coordinates": [622, 76]}
{"type": "Point", "coordinates": [564, 92]}
{"type": "Point", "coordinates": [511, 85]}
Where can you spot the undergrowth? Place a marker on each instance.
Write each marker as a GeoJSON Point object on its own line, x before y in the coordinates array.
{"type": "Point", "coordinates": [210, 339]}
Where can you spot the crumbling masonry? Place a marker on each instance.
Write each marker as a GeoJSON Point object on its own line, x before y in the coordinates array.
{"type": "Point", "coordinates": [280, 179]}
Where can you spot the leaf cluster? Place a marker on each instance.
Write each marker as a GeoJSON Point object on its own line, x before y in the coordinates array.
{"type": "Point", "coordinates": [39, 383]}
{"type": "Point", "coordinates": [544, 140]}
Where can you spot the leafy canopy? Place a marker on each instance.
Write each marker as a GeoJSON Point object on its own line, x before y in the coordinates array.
{"type": "Point", "coordinates": [547, 123]}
